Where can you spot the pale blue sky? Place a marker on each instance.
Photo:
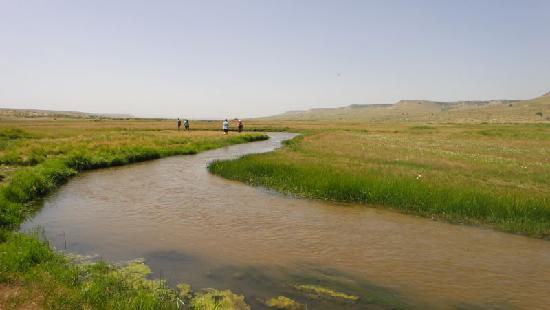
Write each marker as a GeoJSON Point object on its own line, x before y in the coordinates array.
{"type": "Point", "coordinates": [213, 59]}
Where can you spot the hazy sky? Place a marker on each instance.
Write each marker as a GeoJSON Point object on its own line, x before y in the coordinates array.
{"type": "Point", "coordinates": [250, 58]}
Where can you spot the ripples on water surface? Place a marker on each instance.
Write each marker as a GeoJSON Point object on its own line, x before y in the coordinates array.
{"type": "Point", "coordinates": [197, 228]}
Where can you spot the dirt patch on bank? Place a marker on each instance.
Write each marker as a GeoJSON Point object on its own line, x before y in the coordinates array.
{"type": "Point", "coordinates": [14, 297]}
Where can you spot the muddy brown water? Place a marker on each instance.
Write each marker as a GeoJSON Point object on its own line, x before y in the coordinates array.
{"type": "Point", "coordinates": [194, 227]}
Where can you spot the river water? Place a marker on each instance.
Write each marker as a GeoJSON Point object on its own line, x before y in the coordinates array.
{"type": "Point", "coordinates": [190, 226]}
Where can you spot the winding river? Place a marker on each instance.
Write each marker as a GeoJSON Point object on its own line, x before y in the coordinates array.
{"type": "Point", "coordinates": [190, 226]}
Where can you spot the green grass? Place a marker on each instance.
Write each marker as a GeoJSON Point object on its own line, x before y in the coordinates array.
{"type": "Point", "coordinates": [446, 174]}
{"type": "Point", "coordinates": [53, 169]}
{"type": "Point", "coordinates": [495, 175]}
{"type": "Point", "coordinates": [58, 283]}
{"type": "Point", "coordinates": [35, 161]}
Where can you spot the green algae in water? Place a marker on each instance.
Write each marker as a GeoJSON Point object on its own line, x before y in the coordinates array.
{"type": "Point", "coordinates": [369, 295]}
{"type": "Point", "coordinates": [212, 299]}
{"type": "Point", "coordinates": [282, 302]}
{"type": "Point", "coordinates": [135, 274]}
{"type": "Point", "coordinates": [317, 290]}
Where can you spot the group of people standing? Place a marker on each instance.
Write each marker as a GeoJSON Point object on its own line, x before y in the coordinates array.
{"type": "Point", "coordinates": [225, 125]}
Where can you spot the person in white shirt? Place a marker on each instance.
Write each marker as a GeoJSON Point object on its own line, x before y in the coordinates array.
{"type": "Point", "coordinates": [225, 127]}
{"type": "Point", "coordinates": [186, 124]}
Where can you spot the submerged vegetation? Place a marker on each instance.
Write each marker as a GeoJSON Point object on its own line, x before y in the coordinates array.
{"type": "Point", "coordinates": [495, 175]}
{"type": "Point", "coordinates": [282, 302]}
{"type": "Point", "coordinates": [37, 157]}
{"type": "Point", "coordinates": [215, 299]}
{"type": "Point", "coordinates": [316, 290]}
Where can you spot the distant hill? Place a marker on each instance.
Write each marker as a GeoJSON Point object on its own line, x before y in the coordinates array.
{"type": "Point", "coordinates": [537, 109]}
{"type": "Point", "coordinates": [35, 113]}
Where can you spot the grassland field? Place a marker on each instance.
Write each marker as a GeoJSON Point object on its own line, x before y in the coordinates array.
{"type": "Point", "coordinates": [495, 175]}
{"type": "Point", "coordinates": [36, 156]}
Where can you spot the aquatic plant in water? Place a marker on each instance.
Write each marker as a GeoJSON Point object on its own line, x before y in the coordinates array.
{"type": "Point", "coordinates": [282, 302]}
{"type": "Point", "coordinates": [318, 291]}
{"type": "Point", "coordinates": [212, 299]}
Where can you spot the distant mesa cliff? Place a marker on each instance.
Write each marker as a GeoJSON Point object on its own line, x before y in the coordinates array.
{"type": "Point", "coordinates": [36, 113]}
{"type": "Point", "coordinates": [428, 110]}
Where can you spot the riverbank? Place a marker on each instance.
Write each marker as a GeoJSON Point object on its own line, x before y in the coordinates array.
{"type": "Point", "coordinates": [495, 175]}
{"type": "Point", "coordinates": [37, 157]}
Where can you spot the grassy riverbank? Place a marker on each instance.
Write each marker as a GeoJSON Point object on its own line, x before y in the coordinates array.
{"type": "Point", "coordinates": [35, 277]}
{"type": "Point", "coordinates": [496, 175]}
{"type": "Point", "coordinates": [38, 156]}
